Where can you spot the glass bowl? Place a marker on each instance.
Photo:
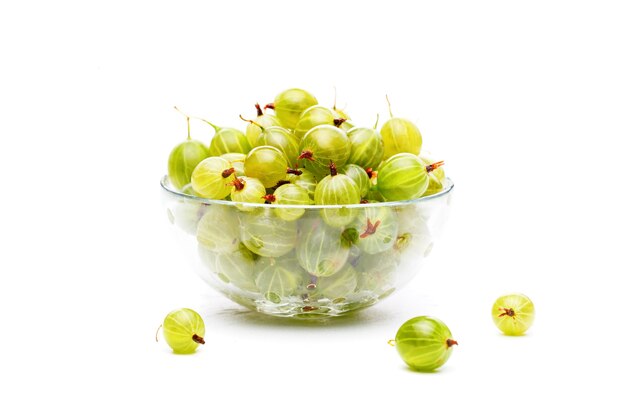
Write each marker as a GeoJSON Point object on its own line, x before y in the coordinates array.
{"type": "Point", "coordinates": [306, 261]}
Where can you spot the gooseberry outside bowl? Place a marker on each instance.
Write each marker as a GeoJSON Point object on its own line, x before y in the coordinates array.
{"type": "Point", "coordinates": [306, 261]}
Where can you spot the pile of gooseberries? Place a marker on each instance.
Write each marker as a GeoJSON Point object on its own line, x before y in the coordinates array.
{"type": "Point", "coordinates": [261, 234]}
{"type": "Point", "coordinates": [303, 137]}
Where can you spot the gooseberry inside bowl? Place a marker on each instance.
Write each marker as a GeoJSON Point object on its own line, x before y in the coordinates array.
{"type": "Point", "coordinates": [306, 261]}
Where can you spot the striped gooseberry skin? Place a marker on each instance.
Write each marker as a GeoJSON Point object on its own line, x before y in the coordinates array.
{"type": "Point", "coordinates": [513, 314]}
{"type": "Point", "coordinates": [367, 147]}
{"type": "Point", "coordinates": [402, 177]}
{"type": "Point", "coordinates": [266, 163]}
{"type": "Point", "coordinates": [424, 343]}
{"type": "Point", "coordinates": [183, 160]}
{"type": "Point", "coordinates": [228, 140]}
{"type": "Point", "coordinates": [237, 268]}
{"type": "Point", "coordinates": [186, 214]}
{"type": "Point", "coordinates": [253, 131]}
{"type": "Point", "coordinates": [289, 105]}
{"type": "Point", "coordinates": [434, 184]}
{"type": "Point", "coordinates": [183, 330]}
{"type": "Point", "coordinates": [359, 176]}
{"type": "Point", "coordinates": [210, 180]}
{"type": "Point", "coordinates": [337, 189]}
{"type": "Point", "coordinates": [377, 273]}
{"type": "Point", "coordinates": [311, 117]}
{"type": "Point", "coordinates": [339, 285]}
{"type": "Point", "coordinates": [291, 194]}
{"type": "Point", "coordinates": [306, 180]}
{"type": "Point", "coordinates": [279, 278]}
{"type": "Point", "coordinates": [321, 250]}
{"type": "Point", "coordinates": [340, 114]}
{"type": "Point", "coordinates": [400, 135]}
{"type": "Point", "coordinates": [247, 190]}
{"type": "Point", "coordinates": [436, 178]}
{"type": "Point", "coordinates": [237, 160]}
{"type": "Point", "coordinates": [266, 234]}
{"type": "Point", "coordinates": [377, 229]}
{"type": "Point", "coordinates": [322, 145]}
{"type": "Point", "coordinates": [283, 140]}
{"type": "Point", "coordinates": [218, 229]}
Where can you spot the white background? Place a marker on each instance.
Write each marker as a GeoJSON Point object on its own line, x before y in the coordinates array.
{"type": "Point", "coordinates": [526, 102]}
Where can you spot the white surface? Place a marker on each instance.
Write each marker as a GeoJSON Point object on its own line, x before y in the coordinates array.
{"type": "Point", "coordinates": [524, 101]}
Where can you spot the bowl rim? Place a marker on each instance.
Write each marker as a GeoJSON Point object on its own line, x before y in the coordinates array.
{"type": "Point", "coordinates": [448, 186]}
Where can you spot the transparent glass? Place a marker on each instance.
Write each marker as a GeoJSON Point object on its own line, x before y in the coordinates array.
{"type": "Point", "coordinates": [306, 261]}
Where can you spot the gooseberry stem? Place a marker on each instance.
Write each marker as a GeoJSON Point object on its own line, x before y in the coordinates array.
{"type": "Point", "coordinates": [333, 168]}
{"type": "Point", "coordinates": [252, 122]}
{"type": "Point", "coordinates": [391, 342]}
{"type": "Point", "coordinates": [432, 167]}
{"type": "Point", "coordinates": [269, 106]}
{"type": "Point", "coordinates": [389, 106]}
{"type": "Point", "coordinates": [157, 333]}
{"type": "Point", "coordinates": [376, 124]}
{"type": "Point", "coordinates": [338, 122]}
{"type": "Point", "coordinates": [507, 312]}
{"type": "Point", "coordinates": [294, 171]}
{"type": "Point", "coordinates": [335, 99]}
{"type": "Point", "coordinates": [228, 172]}
{"type": "Point", "coordinates": [281, 182]}
{"type": "Point", "coordinates": [188, 123]}
{"type": "Point", "coordinates": [451, 343]}
{"type": "Point", "coordinates": [259, 112]}
{"type": "Point", "coordinates": [371, 173]}
{"type": "Point", "coordinates": [197, 339]}
{"type": "Point", "coordinates": [238, 183]}
{"type": "Point", "coordinates": [269, 198]}
{"type": "Point", "coordinates": [308, 155]}
{"type": "Point", "coordinates": [217, 128]}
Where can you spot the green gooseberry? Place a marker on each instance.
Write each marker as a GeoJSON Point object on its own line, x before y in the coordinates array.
{"type": "Point", "coordinates": [367, 147]}
{"type": "Point", "coordinates": [322, 145]}
{"type": "Point", "coordinates": [399, 136]}
{"type": "Point", "coordinates": [266, 234]}
{"type": "Point", "coordinates": [289, 104]}
{"type": "Point", "coordinates": [321, 249]}
{"type": "Point", "coordinates": [513, 314]}
{"type": "Point", "coordinates": [337, 189]}
{"type": "Point", "coordinates": [212, 178]}
{"type": "Point", "coordinates": [183, 330]}
{"type": "Point", "coordinates": [227, 140]}
{"type": "Point", "coordinates": [424, 343]}
{"type": "Point", "coordinates": [377, 229]}
{"type": "Point", "coordinates": [266, 163]}
{"type": "Point", "coordinates": [403, 177]}
{"type": "Point", "coordinates": [184, 158]}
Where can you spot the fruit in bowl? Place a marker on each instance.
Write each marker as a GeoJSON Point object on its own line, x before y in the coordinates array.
{"type": "Point", "coordinates": [313, 233]}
